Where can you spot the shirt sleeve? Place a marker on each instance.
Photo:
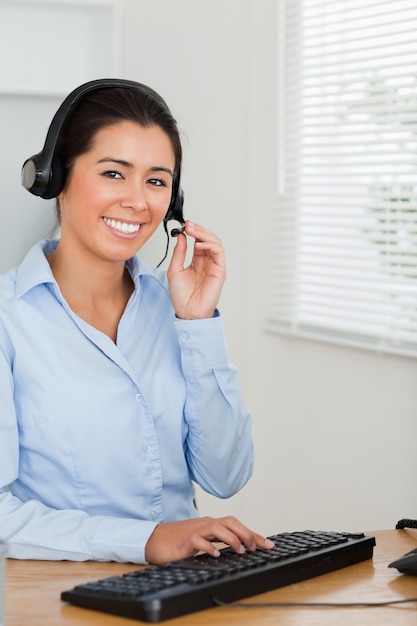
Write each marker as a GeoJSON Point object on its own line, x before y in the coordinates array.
{"type": "Point", "coordinates": [219, 443]}
{"type": "Point", "coordinates": [35, 531]}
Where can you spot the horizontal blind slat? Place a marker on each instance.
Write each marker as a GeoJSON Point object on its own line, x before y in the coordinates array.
{"type": "Point", "coordinates": [343, 241]}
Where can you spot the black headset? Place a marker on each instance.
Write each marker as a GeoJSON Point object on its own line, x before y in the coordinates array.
{"type": "Point", "coordinates": [43, 174]}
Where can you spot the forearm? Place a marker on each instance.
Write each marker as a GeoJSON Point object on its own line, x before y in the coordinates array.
{"type": "Point", "coordinates": [220, 451]}
{"type": "Point", "coordinates": [34, 531]}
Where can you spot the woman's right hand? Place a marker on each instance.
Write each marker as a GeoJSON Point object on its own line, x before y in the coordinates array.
{"type": "Point", "coordinates": [171, 541]}
{"type": "Point", "coordinates": [195, 290]}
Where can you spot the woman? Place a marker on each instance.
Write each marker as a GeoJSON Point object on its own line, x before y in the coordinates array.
{"type": "Point", "coordinates": [116, 393]}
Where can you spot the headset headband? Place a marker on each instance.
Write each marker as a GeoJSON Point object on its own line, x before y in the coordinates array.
{"type": "Point", "coordinates": [42, 174]}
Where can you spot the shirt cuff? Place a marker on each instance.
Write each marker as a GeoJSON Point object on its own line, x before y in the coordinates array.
{"type": "Point", "coordinates": [121, 540]}
{"type": "Point", "coordinates": [202, 342]}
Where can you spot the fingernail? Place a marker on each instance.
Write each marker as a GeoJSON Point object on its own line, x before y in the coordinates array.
{"type": "Point", "coordinates": [269, 544]}
{"type": "Point", "coordinates": [242, 549]}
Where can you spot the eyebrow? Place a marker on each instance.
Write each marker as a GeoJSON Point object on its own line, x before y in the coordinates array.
{"type": "Point", "coordinates": [155, 168]}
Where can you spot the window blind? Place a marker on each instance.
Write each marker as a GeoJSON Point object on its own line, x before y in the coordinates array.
{"type": "Point", "coordinates": [343, 252]}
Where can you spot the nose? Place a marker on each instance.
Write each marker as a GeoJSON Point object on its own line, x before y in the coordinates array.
{"type": "Point", "coordinates": [134, 197]}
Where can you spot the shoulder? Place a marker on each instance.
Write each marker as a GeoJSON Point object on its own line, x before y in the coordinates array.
{"type": "Point", "coordinates": [8, 284]}
{"type": "Point", "coordinates": [32, 271]}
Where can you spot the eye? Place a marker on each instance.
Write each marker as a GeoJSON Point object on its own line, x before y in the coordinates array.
{"type": "Point", "coordinates": [157, 182]}
{"type": "Point", "coordinates": [112, 174]}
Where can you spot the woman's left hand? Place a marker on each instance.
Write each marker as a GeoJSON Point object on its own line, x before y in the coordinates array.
{"type": "Point", "coordinates": [195, 290]}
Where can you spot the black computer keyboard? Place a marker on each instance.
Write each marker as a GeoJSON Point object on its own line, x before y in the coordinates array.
{"type": "Point", "coordinates": [153, 594]}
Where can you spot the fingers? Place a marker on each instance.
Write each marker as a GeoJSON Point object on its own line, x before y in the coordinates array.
{"type": "Point", "coordinates": [199, 233]}
{"type": "Point", "coordinates": [177, 540]}
{"type": "Point", "coordinates": [195, 290]}
{"type": "Point", "coordinates": [178, 255]}
{"type": "Point", "coordinates": [206, 242]}
{"type": "Point", "coordinates": [231, 531]}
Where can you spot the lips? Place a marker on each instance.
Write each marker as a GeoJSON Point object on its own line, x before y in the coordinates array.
{"type": "Point", "coordinates": [122, 227]}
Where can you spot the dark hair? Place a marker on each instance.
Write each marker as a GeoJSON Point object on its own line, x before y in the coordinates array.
{"type": "Point", "coordinates": [108, 106]}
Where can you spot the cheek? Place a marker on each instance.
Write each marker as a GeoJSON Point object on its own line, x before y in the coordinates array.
{"type": "Point", "coordinates": [160, 212]}
{"type": "Point", "coordinates": [84, 195]}
{"type": "Point", "coordinates": [160, 209]}
{"type": "Point", "coordinates": [88, 190]}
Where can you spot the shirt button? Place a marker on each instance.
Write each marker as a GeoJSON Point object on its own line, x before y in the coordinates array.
{"type": "Point", "coordinates": [138, 397]}
{"type": "Point", "coordinates": [154, 515]}
{"type": "Point", "coordinates": [149, 471]}
{"type": "Point", "coordinates": [147, 448]}
{"type": "Point", "coordinates": [184, 336]}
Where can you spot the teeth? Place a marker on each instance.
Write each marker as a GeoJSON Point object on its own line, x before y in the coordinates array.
{"type": "Point", "coordinates": [122, 226]}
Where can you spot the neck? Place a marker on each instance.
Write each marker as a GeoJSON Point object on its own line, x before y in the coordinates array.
{"type": "Point", "coordinates": [96, 290]}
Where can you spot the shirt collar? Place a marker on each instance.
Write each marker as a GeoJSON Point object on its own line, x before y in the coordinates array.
{"type": "Point", "coordinates": [35, 269]}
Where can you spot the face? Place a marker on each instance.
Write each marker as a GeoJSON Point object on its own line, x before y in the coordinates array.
{"type": "Point", "coordinates": [118, 192]}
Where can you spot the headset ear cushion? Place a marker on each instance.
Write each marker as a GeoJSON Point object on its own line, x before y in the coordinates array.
{"type": "Point", "coordinates": [29, 175]}
{"type": "Point", "coordinates": [56, 179]}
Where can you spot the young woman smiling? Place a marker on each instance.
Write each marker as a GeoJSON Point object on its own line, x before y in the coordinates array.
{"type": "Point", "coordinates": [116, 392]}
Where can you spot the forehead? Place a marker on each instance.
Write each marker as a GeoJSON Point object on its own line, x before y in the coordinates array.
{"type": "Point", "coordinates": [126, 137]}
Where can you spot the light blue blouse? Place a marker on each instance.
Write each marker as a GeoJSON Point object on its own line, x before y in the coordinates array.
{"type": "Point", "coordinates": [99, 441]}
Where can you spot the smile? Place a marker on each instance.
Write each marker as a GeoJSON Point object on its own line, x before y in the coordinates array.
{"type": "Point", "coordinates": [122, 227]}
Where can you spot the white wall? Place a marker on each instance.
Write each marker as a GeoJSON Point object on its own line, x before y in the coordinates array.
{"type": "Point", "coordinates": [334, 428]}
{"type": "Point", "coordinates": [41, 62]}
